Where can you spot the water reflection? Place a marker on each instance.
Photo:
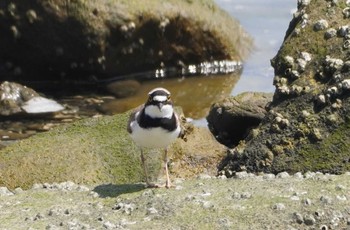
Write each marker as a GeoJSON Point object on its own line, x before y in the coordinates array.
{"type": "Point", "coordinates": [194, 94]}
{"type": "Point", "coordinates": [266, 21]}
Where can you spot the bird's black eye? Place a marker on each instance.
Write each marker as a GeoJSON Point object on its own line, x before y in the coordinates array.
{"type": "Point", "coordinates": [168, 97]}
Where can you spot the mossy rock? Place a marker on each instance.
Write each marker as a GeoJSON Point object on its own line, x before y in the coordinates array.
{"type": "Point", "coordinates": [70, 40]}
{"type": "Point", "coordinates": [90, 151]}
{"type": "Point", "coordinates": [331, 155]}
{"type": "Point", "coordinates": [307, 124]}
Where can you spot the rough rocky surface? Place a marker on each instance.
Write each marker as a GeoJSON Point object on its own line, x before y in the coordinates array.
{"type": "Point", "coordinates": [231, 119]}
{"type": "Point", "coordinates": [307, 126]}
{"type": "Point", "coordinates": [71, 40]}
{"type": "Point", "coordinates": [309, 201]}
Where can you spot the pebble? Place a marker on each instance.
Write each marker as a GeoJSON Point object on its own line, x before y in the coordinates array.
{"type": "Point", "coordinates": [207, 204]}
{"type": "Point", "coordinates": [298, 175]}
{"type": "Point", "coordinates": [56, 211]}
{"type": "Point", "coordinates": [37, 186]}
{"type": "Point", "coordinates": [18, 190]}
{"type": "Point", "coordinates": [148, 193]}
{"type": "Point", "coordinates": [241, 175]}
{"type": "Point", "coordinates": [282, 175]}
{"type": "Point", "coordinates": [82, 188]}
{"type": "Point", "coordinates": [93, 194]}
{"type": "Point", "coordinates": [223, 177]}
{"type": "Point", "coordinates": [326, 199]}
{"type": "Point", "coordinates": [341, 197]}
{"type": "Point", "coordinates": [307, 202]}
{"type": "Point", "coordinates": [152, 211]}
{"type": "Point", "coordinates": [319, 214]}
{"type": "Point", "coordinates": [52, 226]}
{"type": "Point", "coordinates": [236, 195]}
{"type": "Point", "coordinates": [309, 219]}
{"type": "Point", "coordinates": [38, 216]}
{"type": "Point", "coordinates": [109, 225]}
{"type": "Point", "coordinates": [340, 187]}
{"type": "Point", "coordinates": [204, 176]}
{"type": "Point", "coordinates": [269, 176]}
{"type": "Point", "coordinates": [244, 195]}
{"type": "Point", "coordinates": [279, 207]}
{"type": "Point", "coordinates": [125, 208]}
{"type": "Point", "coordinates": [5, 192]}
{"type": "Point", "coordinates": [298, 217]}
{"type": "Point", "coordinates": [309, 175]}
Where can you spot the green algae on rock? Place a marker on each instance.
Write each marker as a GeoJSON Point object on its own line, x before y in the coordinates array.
{"type": "Point", "coordinates": [306, 127]}
{"type": "Point", "coordinates": [89, 151]}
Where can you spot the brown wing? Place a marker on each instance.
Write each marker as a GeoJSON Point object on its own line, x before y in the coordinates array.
{"type": "Point", "coordinates": [132, 117]}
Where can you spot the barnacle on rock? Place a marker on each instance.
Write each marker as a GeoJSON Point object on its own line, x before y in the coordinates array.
{"type": "Point", "coordinates": [321, 99]}
{"type": "Point", "coordinates": [343, 30]}
{"type": "Point", "coordinates": [346, 84]}
{"type": "Point", "coordinates": [321, 25]}
{"type": "Point", "coordinates": [31, 16]}
{"type": "Point", "coordinates": [289, 60]}
{"type": "Point", "coordinates": [316, 133]}
{"type": "Point", "coordinates": [332, 65]}
{"type": "Point", "coordinates": [330, 33]}
{"type": "Point", "coordinates": [346, 44]}
{"type": "Point", "coordinates": [346, 12]}
{"type": "Point", "coordinates": [337, 104]}
{"type": "Point", "coordinates": [302, 3]}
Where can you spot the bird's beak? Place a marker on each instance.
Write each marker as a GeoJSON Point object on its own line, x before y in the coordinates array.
{"type": "Point", "coordinates": [160, 106]}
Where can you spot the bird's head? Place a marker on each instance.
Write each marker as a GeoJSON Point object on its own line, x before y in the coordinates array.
{"type": "Point", "coordinates": [159, 104]}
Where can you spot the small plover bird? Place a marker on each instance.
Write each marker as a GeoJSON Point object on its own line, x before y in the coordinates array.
{"type": "Point", "coordinates": [155, 125]}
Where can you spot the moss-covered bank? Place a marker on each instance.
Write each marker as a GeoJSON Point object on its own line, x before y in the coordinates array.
{"type": "Point", "coordinates": [89, 151]}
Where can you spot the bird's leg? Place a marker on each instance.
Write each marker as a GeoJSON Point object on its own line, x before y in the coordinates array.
{"type": "Point", "coordinates": [143, 161]}
{"type": "Point", "coordinates": [166, 161]}
{"type": "Point", "coordinates": [144, 166]}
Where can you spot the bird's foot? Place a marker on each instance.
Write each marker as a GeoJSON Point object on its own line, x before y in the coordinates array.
{"type": "Point", "coordinates": [166, 185]}
{"type": "Point", "coordinates": [169, 185]}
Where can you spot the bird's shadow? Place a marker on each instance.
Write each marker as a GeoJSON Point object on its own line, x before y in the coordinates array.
{"type": "Point", "coordinates": [114, 190]}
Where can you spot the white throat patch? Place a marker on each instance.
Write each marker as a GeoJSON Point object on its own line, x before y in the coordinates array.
{"type": "Point", "coordinates": [155, 112]}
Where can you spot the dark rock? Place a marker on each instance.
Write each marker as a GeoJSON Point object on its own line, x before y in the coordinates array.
{"type": "Point", "coordinates": [307, 129]}
{"type": "Point", "coordinates": [231, 119]}
{"type": "Point", "coordinates": [70, 40]}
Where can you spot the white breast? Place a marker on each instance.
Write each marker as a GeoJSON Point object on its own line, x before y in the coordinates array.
{"type": "Point", "coordinates": [153, 137]}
